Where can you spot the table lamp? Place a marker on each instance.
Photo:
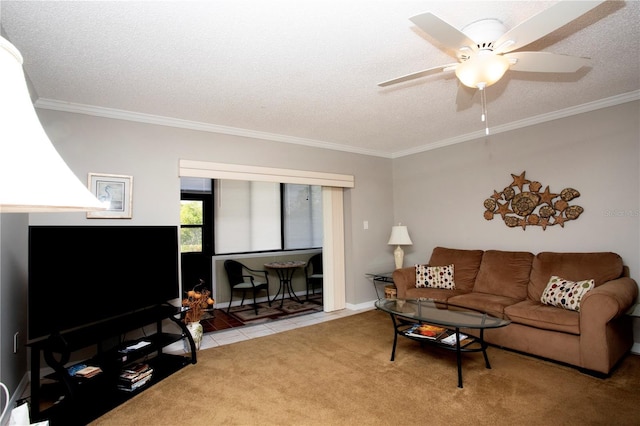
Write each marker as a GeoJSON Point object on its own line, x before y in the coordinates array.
{"type": "Point", "coordinates": [33, 176]}
{"type": "Point", "coordinates": [399, 237]}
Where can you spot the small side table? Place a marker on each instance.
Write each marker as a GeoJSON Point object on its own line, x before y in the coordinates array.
{"type": "Point", "coordinates": [382, 278]}
{"type": "Point", "coordinates": [285, 272]}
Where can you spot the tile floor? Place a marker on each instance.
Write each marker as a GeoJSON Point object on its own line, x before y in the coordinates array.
{"type": "Point", "coordinates": [238, 334]}
{"type": "Point", "coordinates": [222, 321]}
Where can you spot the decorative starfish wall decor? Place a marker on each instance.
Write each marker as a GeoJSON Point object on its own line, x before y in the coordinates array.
{"type": "Point", "coordinates": [522, 204]}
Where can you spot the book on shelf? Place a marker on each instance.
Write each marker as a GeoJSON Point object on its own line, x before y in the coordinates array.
{"type": "Point", "coordinates": [425, 331]}
{"type": "Point", "coordinates": [88, 371]}
{"type": "Point", "coordinates": [130, 387]}
{"type": "Point", "coordinates": [84, 371]}
{"type": "Point", "coordinates": [135, 346]}
{"type": "Point", "coordinates": [136, 368]}
{"type": "Point", "coordinates": [134, 376]}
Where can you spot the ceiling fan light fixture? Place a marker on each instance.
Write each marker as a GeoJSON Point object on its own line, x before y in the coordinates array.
{"type": "Point", "coordinates": [507, 44]}
{"type": "Point", "coordinates": [484, 69]}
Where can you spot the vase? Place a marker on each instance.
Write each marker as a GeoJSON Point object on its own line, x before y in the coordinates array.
{"type": "Point", "coordinates": [196, 331]}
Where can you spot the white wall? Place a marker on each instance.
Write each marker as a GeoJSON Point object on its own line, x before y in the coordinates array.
{"type": "Point", "coordinates": [13, 300]}
{"type": "Point", "coordinates": [150, 153]}
{"type": "Point", "coordinates": [439, 194]}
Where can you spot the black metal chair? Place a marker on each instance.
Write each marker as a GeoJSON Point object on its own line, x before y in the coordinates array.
{"type": "Point", "coordinates": [313, 272]}
{"type": "Point", "coordinates": [243, 278]}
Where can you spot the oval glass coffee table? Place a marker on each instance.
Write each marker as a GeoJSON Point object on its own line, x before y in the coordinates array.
{"type": "Point", "coordinates": [439, 323]}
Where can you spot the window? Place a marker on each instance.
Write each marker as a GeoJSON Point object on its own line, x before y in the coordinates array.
{"type": "Point", "coordinates": [302, 216]}
{"type": "Point", "coordinates": [246, 216]}
{"type": "Point", "coordinates": [195, 206]}
{"type": "Point", "coordinates": [333, 199]}
{"type": "Point", "coordinates": [191, 223]}
{"type": "Point", "coordinates": [258, 216]}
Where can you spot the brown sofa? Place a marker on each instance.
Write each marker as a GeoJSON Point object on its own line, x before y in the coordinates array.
{"type": "Point", "coordinates": [594, 338]}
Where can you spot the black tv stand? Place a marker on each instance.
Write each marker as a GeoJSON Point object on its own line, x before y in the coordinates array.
{"type": "Point", "coordinates": [82, 400]}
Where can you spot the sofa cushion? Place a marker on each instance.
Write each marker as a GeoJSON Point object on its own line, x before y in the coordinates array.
{"type": "Point", "coordinates": [601, 267]}
{"type": "Point", "coordinates": [564, 293]}
{"type": "Point", "coordinates": [538, 315]}
{"type": "Point", "coordinates": [484, 302]}
{"type": "Point", "coordinates": [439, 294]}
{"type": "Point", "coordinates": [466, 264]}
{"type": "Point", "coordinates": [435, 276]}
{"type": "Point", "coordinates": [504, 273]}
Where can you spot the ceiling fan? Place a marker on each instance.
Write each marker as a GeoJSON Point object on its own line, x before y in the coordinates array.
{"type": "Point", "coordinates": [486, 49]}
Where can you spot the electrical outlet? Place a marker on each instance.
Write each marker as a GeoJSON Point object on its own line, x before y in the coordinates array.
{"type": "Point", "coordinates": [365, 224]}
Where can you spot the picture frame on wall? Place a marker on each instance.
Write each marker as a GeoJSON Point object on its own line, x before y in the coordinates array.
{"type": "Point", "coordinates": [115, 192]}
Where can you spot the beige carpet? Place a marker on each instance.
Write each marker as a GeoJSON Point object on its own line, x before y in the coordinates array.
{"type": "Point", "coordinates": [339, 373]}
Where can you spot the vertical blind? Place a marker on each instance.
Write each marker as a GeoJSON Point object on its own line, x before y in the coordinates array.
{"type": "Point", "coordinates": [302, 216]}
{"type": "Point", "coordinates": [248, 216]}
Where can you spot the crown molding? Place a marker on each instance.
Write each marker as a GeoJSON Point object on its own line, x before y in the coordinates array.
{"type": "Point", "coordinates": [117, 114]}
{"type": "Point", "coordinates": [537, 119]}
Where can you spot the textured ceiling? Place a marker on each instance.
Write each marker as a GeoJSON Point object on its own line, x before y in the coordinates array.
{"type": "Point", "coordinates": [307, 71]}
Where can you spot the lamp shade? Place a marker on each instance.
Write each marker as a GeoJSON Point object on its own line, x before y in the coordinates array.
{"type": "Point", "coordinates": [399, 236]}
{"type": "Point", "coordinates": [33, 176]}
{"type": "Point", "coordinates": [483, 69]}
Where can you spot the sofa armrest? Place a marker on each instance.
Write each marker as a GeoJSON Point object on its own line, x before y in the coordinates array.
{"type": "Point", "coordinates": [609, 300]}
{"type": "Point", "coordinates": [605, 330]}
{"type": "Point", "coordinates": [403, 279]}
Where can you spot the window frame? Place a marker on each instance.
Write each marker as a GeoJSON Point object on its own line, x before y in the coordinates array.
{"type": "Point", "coordinates": [208, 228]}
{"type": "Point", "coordinates": [334, 190]}
{"type": "Point", "coordinates": [207, 224]}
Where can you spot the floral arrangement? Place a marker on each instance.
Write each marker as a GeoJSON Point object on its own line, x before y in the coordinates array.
{"type": "Point", "coordinates": [198, 301]}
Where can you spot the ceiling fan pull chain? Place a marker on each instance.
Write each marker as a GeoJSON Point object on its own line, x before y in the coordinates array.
{"type": "Point", "coordinates": [483, 101]}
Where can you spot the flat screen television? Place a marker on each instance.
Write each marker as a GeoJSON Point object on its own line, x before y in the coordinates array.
{"type": "Point", "coordinates": [82, 275]}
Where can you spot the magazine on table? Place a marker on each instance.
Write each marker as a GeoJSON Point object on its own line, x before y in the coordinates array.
{"type": "Point", "coordinates": [425, 331]}
{"type": "Point", "coordinates": [451, 339]}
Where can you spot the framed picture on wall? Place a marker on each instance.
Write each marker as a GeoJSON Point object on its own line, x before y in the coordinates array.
{"type": "Point", "coordinates": [115, 192]}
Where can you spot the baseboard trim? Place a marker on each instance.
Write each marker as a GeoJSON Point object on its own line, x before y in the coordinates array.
{"type": "Point", "coordinates": [361, 306]}
{"type": "Point", "coordinates": [262, 299]}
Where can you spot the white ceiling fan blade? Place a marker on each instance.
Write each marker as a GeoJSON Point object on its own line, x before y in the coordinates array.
{"type": "Point", "coordinates": [450, 37]}
{"type": "Point", "coordinates": [423, 73]}
{"type": "Point", "coordinates": [545, 62]}
{"type": "Point", "coordinates": [542, 24]}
